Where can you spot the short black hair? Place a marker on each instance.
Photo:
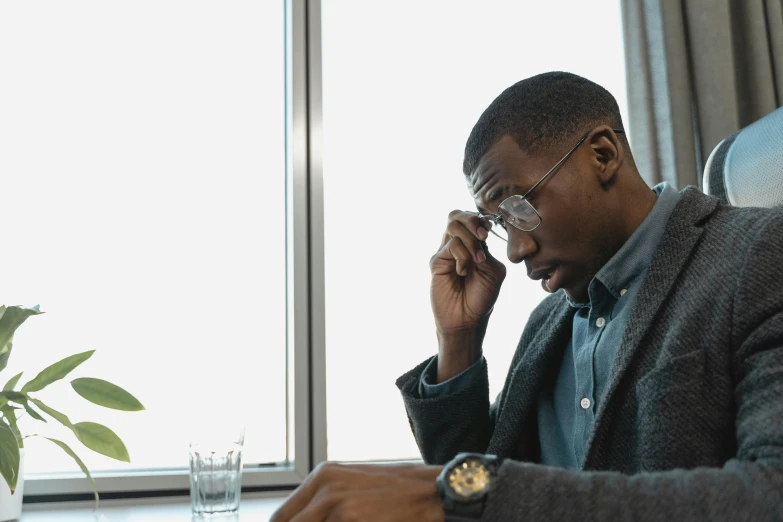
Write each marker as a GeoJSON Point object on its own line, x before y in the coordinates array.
{"type": "Point", "coordinates": [541, 113]}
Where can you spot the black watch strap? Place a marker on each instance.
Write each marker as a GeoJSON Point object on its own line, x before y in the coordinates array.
{"type": "Point", "coordinates": [464, 512]}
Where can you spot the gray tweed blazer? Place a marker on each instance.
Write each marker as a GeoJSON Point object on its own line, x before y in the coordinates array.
{"type": "Point", "coordinates": [691, 426]}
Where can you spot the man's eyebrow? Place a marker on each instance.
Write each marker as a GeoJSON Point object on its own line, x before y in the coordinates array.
{"type": "Point", "coordinates": [501, 193]}
{"type": "Point", "coordinates": [497, 193]}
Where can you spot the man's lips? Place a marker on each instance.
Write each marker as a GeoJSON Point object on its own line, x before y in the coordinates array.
{"type": "Point", "coordinates": [541, 273]}
{"type": "Point", "coordinates": [550, 277]}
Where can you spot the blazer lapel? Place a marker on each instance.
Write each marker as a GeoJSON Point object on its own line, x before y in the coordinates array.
{"type": "Point", "coordinates": [525, 381]}
{"type": "Point", "coordinates": [671, 256]}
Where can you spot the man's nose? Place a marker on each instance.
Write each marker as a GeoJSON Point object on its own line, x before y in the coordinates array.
{"type": "Point", "coordinates": [520, 245]}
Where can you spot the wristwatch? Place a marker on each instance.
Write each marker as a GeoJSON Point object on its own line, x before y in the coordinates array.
{"type": "Point", "coordinates": [465, 483]}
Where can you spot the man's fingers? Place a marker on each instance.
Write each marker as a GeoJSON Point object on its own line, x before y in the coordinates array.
{"type": "Point", "coordinates": [320, 506]}
{"type": "Point", "coordinates": [460, 255]}
{"type": "Point", "coordinates": [454, 256]}
{"type": "Point", "coordinates": [463, 240]}
{"type": "Point", "coordinates": [297, 501]}
{"type": "Point", "coordinates": [303, 495]}
{"type": "Point", "coordinates": [343, 492]}
{"type": "Point", "coordinates": [354, 508]}
{"type": "Point", "coordinates": [317, 490]}
{"type": "Point", "coordinates": [446, 239]}
{"type": "Point", "coordinates": [478, 225]}
{"type": "Point", "coordinates": [399, 501]}
{"type": "Point", "coordinates": [472, 242]}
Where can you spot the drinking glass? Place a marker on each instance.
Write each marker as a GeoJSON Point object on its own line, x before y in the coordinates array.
{"type": "Point", "coordinates": [216, 470]}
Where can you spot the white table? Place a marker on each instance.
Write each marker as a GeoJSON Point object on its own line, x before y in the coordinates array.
{"type": "Point", "coordinates": [254, 507]}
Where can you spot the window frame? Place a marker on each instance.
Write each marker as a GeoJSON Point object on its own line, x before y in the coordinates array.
{"type": "Point", "coordinates": [305, 350]}
{"type": "Point", "coordinates": [305, 297]}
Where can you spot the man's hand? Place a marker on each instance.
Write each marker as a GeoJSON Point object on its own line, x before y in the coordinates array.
{"type": "Point", "coordinates": [466, 281]}
{"type": "Point", "coordinates": [365, 493]}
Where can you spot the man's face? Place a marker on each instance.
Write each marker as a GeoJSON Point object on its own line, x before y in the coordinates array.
{"type": "Point", "coordinates": [576, 236]}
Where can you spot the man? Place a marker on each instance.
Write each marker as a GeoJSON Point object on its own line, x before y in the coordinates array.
{"type": "Point", "coordinates": [648, 386]}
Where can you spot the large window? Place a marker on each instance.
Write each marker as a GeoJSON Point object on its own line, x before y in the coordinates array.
{"type": "Point", "coordinates": [235, 203]}
{"type": "Point", "coordinates": [402, 89]}
{"type": "Point", "coordinates": [143, 166]}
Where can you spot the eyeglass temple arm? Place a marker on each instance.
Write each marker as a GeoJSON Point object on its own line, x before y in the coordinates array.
{"type": "Point", "coordinates": [616, 131]}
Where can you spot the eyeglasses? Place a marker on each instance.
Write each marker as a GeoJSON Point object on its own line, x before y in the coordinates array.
{"type": "Point", "coordinates": [517, 210]}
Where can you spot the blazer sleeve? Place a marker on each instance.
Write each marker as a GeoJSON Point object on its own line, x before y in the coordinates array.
{"type": "Point", "coordinates": [448, 424]}
{"type": "Point", "coordinates": [748, 487]}
{"type": "Point", "coordinates": [464, 421]}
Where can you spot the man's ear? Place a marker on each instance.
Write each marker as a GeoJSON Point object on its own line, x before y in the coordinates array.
{"type": "Point", "coordinates": [607, 153]}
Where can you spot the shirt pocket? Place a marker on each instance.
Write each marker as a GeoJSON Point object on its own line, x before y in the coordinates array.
{"type": "Point", "coordinates": [673, 375]}
{"type": "Point", "coordinates": [677, 422]}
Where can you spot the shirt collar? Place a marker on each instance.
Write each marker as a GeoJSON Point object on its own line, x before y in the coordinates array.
{"type": "Point", "coordinates": [630, 263]}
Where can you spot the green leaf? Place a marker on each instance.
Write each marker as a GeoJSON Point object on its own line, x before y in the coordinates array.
{"type": "Point", "coordinates": [9, 414]}
{"type": "Point", "coordinates": [31, 412]}
{"type": "Point", "coordinates": [104, 393]}
{"type": "Point", "coordinates": [9, 457]}
{"type": "Point", "coordinates": [4, 356]}
{"type": "Point", "coordinates": [56, 415]}
{"type": "Point", "coordinates": [75, 457]}
{"type": "Point", "coordinates": [56, 371]}
{"type": "Point", "coordinates": [11, 318]}
{"type": "Point", "coordinates": [14, 396]}
{"type": "Point", "coordinates": [9, 386]}
{"type": "Point", "coordinates": [102, 440]}
{"type": "Point", "coordinates": [21, 398]}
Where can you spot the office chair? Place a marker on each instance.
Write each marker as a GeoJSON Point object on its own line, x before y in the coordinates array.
{"type": "Point", "coordinates": [746, 169]}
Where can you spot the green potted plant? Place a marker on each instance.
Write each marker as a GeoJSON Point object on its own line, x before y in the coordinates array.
{"type": "Point", "coordinates": [17, 401]}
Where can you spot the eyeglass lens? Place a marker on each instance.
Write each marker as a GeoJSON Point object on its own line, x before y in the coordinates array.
{"type": "Point", "coordinates": [516, 212]}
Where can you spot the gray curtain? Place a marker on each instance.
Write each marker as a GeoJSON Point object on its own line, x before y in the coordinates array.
{"type": "Point", "coordinates": [698, 71]}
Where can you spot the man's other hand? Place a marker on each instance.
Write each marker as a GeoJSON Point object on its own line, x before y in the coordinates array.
{"type": "Point", "coordinates": [365, 493]}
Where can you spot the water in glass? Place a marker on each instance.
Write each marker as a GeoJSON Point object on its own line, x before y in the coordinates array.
{"type": "Point", "coordinates": [215, 479]}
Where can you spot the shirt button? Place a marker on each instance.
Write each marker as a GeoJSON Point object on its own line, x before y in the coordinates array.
{"type": "Point", "coordinates": [623, 291]}
{"type": "Point", "coordinates": [585, 403]}
{"type": "Point", "coordinates": [600, 322]}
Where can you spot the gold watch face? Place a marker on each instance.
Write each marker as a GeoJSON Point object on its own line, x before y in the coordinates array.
{"type": "Point", "coordinates": [469, 478]}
